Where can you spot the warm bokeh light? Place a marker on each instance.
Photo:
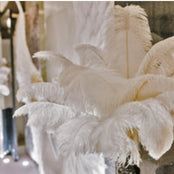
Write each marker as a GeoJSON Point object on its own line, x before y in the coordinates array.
{"type": "Point", "coordinates": [6, 160]}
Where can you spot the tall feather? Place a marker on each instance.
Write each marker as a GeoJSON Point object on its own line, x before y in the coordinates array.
{"type": "Point", "coordinates": [102, 33]}
{"type": "Point", "coordinates": [89, 14]}
{"type": "Point", "coordinates": [133, 39]}
{"type": "Point", "coordinates": [26, 72]}
{"type": "Point", "coordinates": [159, 59]}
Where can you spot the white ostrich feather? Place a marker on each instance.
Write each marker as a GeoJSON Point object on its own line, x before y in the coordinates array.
{"type": "Point", "coordinates": [47, 116]}
{"type": "Point", "coordinates": [133, 39]}
{"type": "Point", "coordinates": [74, 136]}
{"type": "Point", "coordinates": [102, 34]}
{"type": "Point", "coordinates": [90, 56]}
{"type": "Point", "coordinates": [26, 72]}
{"type": "Point", "coordinates": [159, 59]}
{"type": "Point", "coordinates": [110, 138]}
{"type": "Point", "coordinates": [89, 163]}
{"type": "Point", "coordinates": [156, 130]}
{"type": "Point", "coordinates": [135, 117]}
{"type": "Point", "coordinates": [96, 89]}
{"type": "Point", "coordinates": [90, 21]}
{"type": "Point", "coordinates": [39, 92]}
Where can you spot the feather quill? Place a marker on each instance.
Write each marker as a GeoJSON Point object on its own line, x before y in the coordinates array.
{"type": "Point", "coordinates": [133, 39]}
{"type": "Point", "coordinates": [26, 72]}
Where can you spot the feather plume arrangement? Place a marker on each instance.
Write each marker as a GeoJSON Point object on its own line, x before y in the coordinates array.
{"type": "Point", "coordinates": [119, 96]}
{"type": "Point", "coordinates": [85, 134]}
{"type": "Point", "coordinates": [106, 93]}
{"type": "Point", "coordinates": [139, 88]}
